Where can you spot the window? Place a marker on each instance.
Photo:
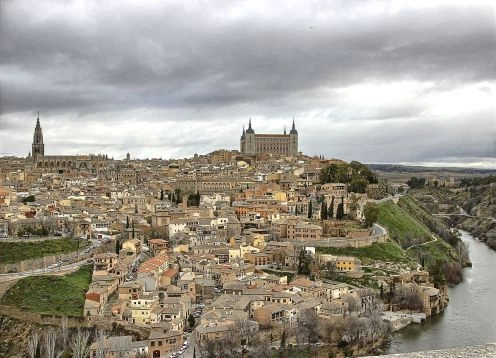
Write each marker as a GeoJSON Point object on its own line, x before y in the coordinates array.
{"type": "Point", "coordinates": [152, 343]}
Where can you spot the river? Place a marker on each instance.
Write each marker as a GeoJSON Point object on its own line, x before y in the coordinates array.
{"type": "Point", "coordinates": [470, 317]}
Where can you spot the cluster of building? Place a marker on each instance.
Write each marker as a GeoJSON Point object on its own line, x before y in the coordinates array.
{"type": "Point", "coordinates": [209, 231]}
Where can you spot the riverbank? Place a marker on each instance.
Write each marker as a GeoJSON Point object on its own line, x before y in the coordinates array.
{"type": "Point", "coordinates": [468, 319]}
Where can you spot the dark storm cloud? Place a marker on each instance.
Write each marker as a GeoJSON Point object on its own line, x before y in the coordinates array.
{"type": "Point", "coordinates": [190, 62]}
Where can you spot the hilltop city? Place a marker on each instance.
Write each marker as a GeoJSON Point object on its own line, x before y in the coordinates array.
{"type": "Point", "coordinates": [237, 252]}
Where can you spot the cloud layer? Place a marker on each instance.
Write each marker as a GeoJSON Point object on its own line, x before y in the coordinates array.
{"type": "Point", "coordinates": [376, 81]}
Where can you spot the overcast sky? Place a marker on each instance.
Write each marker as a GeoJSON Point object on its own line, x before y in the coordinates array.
{"type": "Point", "coordinates": [374, 81]}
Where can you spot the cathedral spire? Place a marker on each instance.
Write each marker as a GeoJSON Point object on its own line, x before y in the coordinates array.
{"type": "Point", "coordinates": [293, 128]}
{"type": "Point", "coordinates": [250, 129]}
{"type": "Point", "coordinates": [38, 147]}
{"type": "Point", "coordinates": [284, 129]}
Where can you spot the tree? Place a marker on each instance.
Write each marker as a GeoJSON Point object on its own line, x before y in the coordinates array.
{"type": "Point", "coordinates": [49, 344]}
{"type": "Point", "coordinates": [307, 323]}
{"type": "Point", "coordinates": [118, 246]}
{"type": "Point", "coordinates": [161, 194]}
{"type": "Point", "coordinates": [283, 339]}
{"type": "Point", "coordinates": [371, 214]}
{"type": "Point", "coordinates": [28, 199]}
{"type": "Point", "coordinates": [407, 297]}
{"type": "Point", "coordinates": [191, 321]}
{"type": "Point", "coordinates": [415, 182]}
{"type": "Point", "coordinates": [340, 212]}
{"type": "Point", "coordinates": [127, 222]}
{"type": "Point", "coordinates": [323, 211]}
{"type": "Point", "coordinates": [358, 186]}
{"type": "Point", "coordinates": [310, 209]}
{"type": "Point", "coordinates": [331, 270]}
{"type": "Point", "coordinates": [177, 195]}
{"type": "Point", "coordinates": [100, 344]}
{"type": "Point", "coordinates": [80, 344]}
{"type": "Point", "coordinates": [330, 214]}
{"type": "Point", "coordinates": [33, 345]}
{"type": "Point", "coordinates": [64, 332]}
{"type": "Point", "coordinates": [304, 260]}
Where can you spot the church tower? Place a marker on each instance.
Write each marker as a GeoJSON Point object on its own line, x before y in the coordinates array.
{"type": "Point", "coordinates": [38, 148]}
{"type": "Point", "coordinates": [293, 140]}
{"type": "Point", "coordinates": [250, 141]}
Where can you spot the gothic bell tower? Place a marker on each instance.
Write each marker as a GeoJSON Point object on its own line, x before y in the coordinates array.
{"type": "Point", "coordinates": [37, 148]}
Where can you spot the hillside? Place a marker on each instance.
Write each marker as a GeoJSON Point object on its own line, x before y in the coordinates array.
{"type": "Point", "coordinates": [403, 227]}
{"type": "Point", "coordinates": [477, 202]}
{"type": "Point", "coordinates": [58, 295]}
{"type": "Point", "coordinates": [424, 237]}
{"type": "Point", "coordinates": [11, 252]}
{"type": "Point", "coordinates": [482, 206]}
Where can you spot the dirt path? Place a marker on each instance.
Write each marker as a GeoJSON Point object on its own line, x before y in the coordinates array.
{"type": "Point", "coordinates": [4, 286]}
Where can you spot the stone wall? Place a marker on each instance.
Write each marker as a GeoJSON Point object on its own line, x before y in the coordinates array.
{"type": "Point", "coordinates": [486, 351]}
{"type": "Point", "coordinates": [43, 262]}
{"type": "Point", "coordinates": [352, 242]}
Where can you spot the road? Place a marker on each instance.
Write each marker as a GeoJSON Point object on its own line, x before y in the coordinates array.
{"type": "Point", "coordinates": [16, 275]}
{"type": "Point", "coordinates": [65, 266]}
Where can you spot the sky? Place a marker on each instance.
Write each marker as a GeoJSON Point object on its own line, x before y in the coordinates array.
{"type": "Point", "coordinates": [374, 81]}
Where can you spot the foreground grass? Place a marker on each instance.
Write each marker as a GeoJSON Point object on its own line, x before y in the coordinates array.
{"type": "Point", "coordinates": [401, 225]}
{"type": "Point", "coordinates": [388, 251]}
{"type": "Point", "coordinates": [58, 295]}
{"type": "Point", "coordinates": [11, 252]}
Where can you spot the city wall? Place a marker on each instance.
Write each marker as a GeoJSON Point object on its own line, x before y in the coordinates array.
{"type": "Point", "coordinates": [353, 242]}
{"type": "Point", "coordinates": [44, 262]}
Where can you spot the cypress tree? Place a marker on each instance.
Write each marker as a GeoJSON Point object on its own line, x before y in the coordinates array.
{"type": "Point", "coordinates": [161, 194]}
{"type": "Point", "coordinates": [323, 211]}
{"type": "Point", "coordinates": [127, 222]}
{"type": "Point", "coordinates": [310, 209]}
{"type": "Point", "coordinates": [340, 212]}
{"type": "Point", "coordinates": [330, 213]}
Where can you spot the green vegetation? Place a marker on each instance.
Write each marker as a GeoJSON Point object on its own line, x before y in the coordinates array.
{"type": "Point", "coordinates": [388, 251]}
{"type": "Point", "coordinates": [435, 225]}
{"type": "Point", "coordinates": [371, 213]}
{"type": "Point", "coordinates": [356, 174]}
{"type": "Point", "coordinates": [432, 252]}
{"type": "Point", "coordinates": [415, 182]}
{"type": "Point", "coordinates": [11, 252]}
{"type": "Point", "coordinates": [30, 231]}
{"type": "Point", "coordinates": [402, 227]}
{"type": "Point", "coordinates": [58, 295]}
{"type": "Point", "coordinates": [28, 199]}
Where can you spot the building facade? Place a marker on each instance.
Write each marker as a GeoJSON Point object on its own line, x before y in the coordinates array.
{"type": "Point", "coordinates": [62, 163]}
{"type": "Point", "coordinates": [281, 144]}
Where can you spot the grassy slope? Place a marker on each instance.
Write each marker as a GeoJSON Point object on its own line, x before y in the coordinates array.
{"type": "Point", "coordinates": [11, 252]}
{"type": "Point", "coordinates": [400, 224]}
{"type": "Point", "coordinates": [60, 295]}
{"type": "Point", "coordinates": [438, 250]}
{"type": "Point", "coordinates": [388, 251]}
